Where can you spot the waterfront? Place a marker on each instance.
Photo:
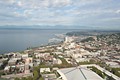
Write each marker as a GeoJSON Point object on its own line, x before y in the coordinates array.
{"type": "Point", "coordinates": [17, 40]}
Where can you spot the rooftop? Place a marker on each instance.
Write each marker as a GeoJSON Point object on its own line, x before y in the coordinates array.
{"type": "Point", "coordinates": [78, 74]}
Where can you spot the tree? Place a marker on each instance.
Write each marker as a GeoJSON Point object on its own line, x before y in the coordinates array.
{"type": "Point", "coordinates": [23, 78]}
{"type": "Point", "coordinates": [16, 79]}
{"type": "Point", "coordinates": [35, 75]}
{"type": "Point", "coordinates": [41, 78]}
{"type": "Point", "coordinates": [30, 78]}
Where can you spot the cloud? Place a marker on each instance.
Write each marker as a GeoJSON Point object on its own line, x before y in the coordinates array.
{"type": "Point", "coordinates": [64, 12]}
{"type": "Point", "coordinates": [38, 4]}
{"type": "Point", "coordinates": [118, 11]}
{"type": "Point", "coordinates": [60, 3]}
{"type": "Point", "coordinates": [116, 19]}
{"type": "Point", "coordinates": [85, 2]}
{"type": "Point", "coordinates": [7, 1]}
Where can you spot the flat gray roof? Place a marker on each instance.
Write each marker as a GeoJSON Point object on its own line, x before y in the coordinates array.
{"type": "Point", "coordinates": [78, 74]}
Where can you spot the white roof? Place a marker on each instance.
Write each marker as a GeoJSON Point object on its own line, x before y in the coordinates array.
{"type": "Point", "coordinates": [112, 63]}
{"type": "Point", "coordinates": [12, 60]}
{"type": "Point", "coordinates": [78, 74]}
{"type": "Point", "coordinates": [7, 68]}
{"type": "Point", "coordinates": [44, 70]}
{"type": "Point", "coordinates": [24, 55]}
{"type": "Point", "coordinates": [82, 59]}
{"type": "Point", "coordinates": [1, 64]}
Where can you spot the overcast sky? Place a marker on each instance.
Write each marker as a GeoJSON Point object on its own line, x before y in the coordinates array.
{"type": "Point", "coordinates": [97, 13]}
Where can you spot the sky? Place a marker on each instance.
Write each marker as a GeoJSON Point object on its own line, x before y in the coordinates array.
{"type": "Point", "coordinates": [91, 13]}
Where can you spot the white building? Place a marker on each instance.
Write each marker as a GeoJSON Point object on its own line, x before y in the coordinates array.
{"type": "Point", "coordinates": [57, 53]}
{"type": "Point", "coordinates": [113, 64]}
{"type": "Point", "coordinates": [7, 68]}
{"type": "Point", "coordinates": [57, 61]}
{"type": "Point", "coordinates": [68, 39]}
{"type": "Point", "coordinates": [44, 70]}
{"type": "Point", "coordinates": [38, 55]}
{"type": "Point", "coordinates": [72, 45]}
{"type": "Point", "coordinates": [12, 61]}
{"type": "Point", "coordinates": [84, 52]}
{"type": "Point", "coordinates": [24, 56]}
{"type": "Point", "coordinates": [76, 55]}
{"type": "Point", "coordinates": [82, 59]}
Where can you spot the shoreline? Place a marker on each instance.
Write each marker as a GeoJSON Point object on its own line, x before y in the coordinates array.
{"type": "Point", "coordinates": [42, 45]}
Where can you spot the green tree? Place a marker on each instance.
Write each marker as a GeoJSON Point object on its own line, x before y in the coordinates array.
{"type": "Point", "coordinates": [35, 75]}
{"type": "Point", "coordinates": [23, 78]}
{"type": "Point", "coordinates": [41, 78]}
{"type": "Point", "coordinates": [17, 79]}
{"type": "Point", "coordinates": [29, 78]}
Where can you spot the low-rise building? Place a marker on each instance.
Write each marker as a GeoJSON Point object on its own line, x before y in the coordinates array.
{"type": "Point", "coordinates": [57, 53]}
{"type": "Point", "coordinates": [82, 59]}
{"type": "Point", "coordinates": [7, 68]}
{"type": "Point", "coordinates": [24, 56]}
{"type": "Point", "coordinates": [12, 61]}
{"type": "Point", "coordinates": [57, 61]}
{"type": "Point", "coordinates": [49, 76]}
{"type": "Point", "coordinates": [44, 70]}
{"type": "Point", "coordinates": [113, 64]}
{"type": "Point", "coordinates": [36, 62]}
{"type": "Point", "coordinates": [41, 55]}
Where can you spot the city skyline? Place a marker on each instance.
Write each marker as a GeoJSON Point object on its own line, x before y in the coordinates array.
{"type": "Point", "coordinates": [96, 14]}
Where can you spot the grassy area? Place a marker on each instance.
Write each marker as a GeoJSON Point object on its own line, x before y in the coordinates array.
{"type": "Point", "coordinates": [116, 71]}
{"type": "Point", "coordinates": [100, 73]}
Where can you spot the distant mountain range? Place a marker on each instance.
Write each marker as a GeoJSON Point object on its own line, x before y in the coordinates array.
{"type": "Point", "coordinates": [52, 27]}
{"type": "Point", "coordinates": [42, 27]}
